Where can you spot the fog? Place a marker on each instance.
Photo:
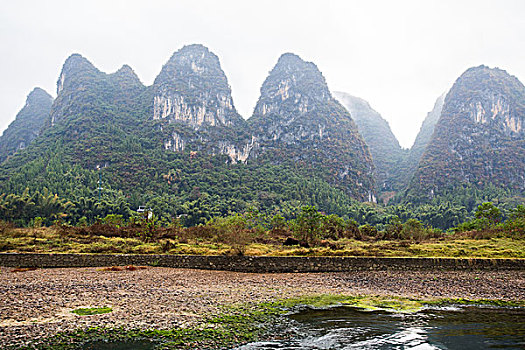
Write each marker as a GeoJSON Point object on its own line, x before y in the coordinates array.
{"type": "Point", "coordinates": [399, 56]}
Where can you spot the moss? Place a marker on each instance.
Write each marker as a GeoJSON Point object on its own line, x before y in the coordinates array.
{"type": "Point", "coordinates": [380, 303]}
{"type": "Point", "coordinates": [460, 301]}
{"type": "Point", "coordinates": [92, 311]}
{"type": "Point", "coordinates": [242, 323]}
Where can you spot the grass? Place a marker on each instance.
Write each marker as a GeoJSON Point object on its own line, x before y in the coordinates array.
{"type": "Point", "coordinates": [92, 311]}
{"type": "Point", "coordinates": [51, 240]}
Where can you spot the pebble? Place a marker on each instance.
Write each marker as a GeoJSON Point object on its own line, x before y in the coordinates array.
{"type": "Point", "coordinates": [37, 304]}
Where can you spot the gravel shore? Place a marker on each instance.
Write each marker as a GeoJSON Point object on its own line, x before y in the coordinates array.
{"type": "Point", "coordinates": [34, 304]}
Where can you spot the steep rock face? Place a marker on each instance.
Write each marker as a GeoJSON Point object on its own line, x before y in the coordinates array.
{"type": "Point", "coordinates": [297, 120]}
{"type": "Point", "coordinates": [384, 147]}
{"type": "Point", "coordinates": [422, 140]}
{"type": "Point", "coordinates": [25, 128]}
{"type": "Point", "coordinates": [193, 102]}
{"type": "Point", "coordinates": [480, 136]}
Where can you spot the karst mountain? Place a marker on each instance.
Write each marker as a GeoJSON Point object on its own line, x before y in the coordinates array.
{"type": "Point", "coordinates": [181, 146]}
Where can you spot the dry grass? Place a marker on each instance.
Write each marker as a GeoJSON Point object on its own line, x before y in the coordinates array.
{"type": "Point", "coordinates": [55, 240]}
{"type": "Point", "coordinates": [23, 269]}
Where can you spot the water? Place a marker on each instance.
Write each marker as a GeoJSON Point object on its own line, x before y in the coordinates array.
{"type": "Point", "coordinates": [461, 328]}
{"type": "Point", "coordinates": [439, 328]}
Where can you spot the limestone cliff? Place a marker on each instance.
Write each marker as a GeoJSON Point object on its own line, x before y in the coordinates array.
{"type": "Point", "coordinates": [193, 102]}
{"type": "Point", "coordinates": [297, 120]}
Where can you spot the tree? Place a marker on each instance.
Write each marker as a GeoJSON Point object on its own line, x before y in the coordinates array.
{"type": "Point", "coordinates": [490, 212]}
{"type": "Point", "coordinates": [308, 223]}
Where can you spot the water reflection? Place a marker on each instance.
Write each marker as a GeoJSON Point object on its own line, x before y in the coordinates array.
{"type": "Point", "coordinates": [439, 328]}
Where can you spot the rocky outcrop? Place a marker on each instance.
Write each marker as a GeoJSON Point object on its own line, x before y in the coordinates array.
{"type": "Point", "coordinates": [192, 93]}
{"type": "Point", "coordinates": [27, 124]}
{"type": "Point", "coordinates": [479, 138]}
{"type": "Point", "coordinates": [386, 152]}
{"type": "Point", "coordinates": [296, 120]}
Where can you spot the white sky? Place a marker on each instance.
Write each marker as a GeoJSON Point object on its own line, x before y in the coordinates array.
{"type": "Point", "coordinates": [398, 55]}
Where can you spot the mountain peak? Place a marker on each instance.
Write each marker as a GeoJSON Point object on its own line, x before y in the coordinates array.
{"type": "Point", "coordinates": [126, 69]}
{"type": "Point", "coordinates": [74, 65]}
{"type": "Point", "coordinates": [127, 74]}
{"type": "Point", "coordinates": [489, 96]}
{"type": "Point", "coordinates": [193, 88]}
{"type": "Point", "coordinates": [296, 115]}
{"type": "Point", "coordinates": [289, 57]}
{"type": "Point", "coordinates": [192, 60]}
{"type": "Point", "coordinates": [77, 62]}
{"type": "Point", "coordinates": [27, 124]}
{"type": "Point", "coordinates": [352, 102]}
{"type": "Point", "coordinates": [293, 84]}
{"type": "Point", "coordinates": [195, 48]}
{"type": "Point", "coordinates": [38, 94]}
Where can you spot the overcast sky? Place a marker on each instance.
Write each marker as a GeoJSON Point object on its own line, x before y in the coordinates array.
{"type": "Point", "coordinates": [398, 55]}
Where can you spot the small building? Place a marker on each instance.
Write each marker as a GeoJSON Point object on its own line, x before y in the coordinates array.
{"type": "Point", "coordinates": [147, 213]}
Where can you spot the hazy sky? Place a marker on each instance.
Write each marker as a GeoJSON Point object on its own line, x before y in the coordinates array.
{"type": "Point", "coordinates": [398, 55]}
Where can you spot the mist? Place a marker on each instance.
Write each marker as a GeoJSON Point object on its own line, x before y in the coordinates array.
{"type": "Point", "coordinates": [398, 56]}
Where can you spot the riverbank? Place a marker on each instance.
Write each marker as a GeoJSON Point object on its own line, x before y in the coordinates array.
{"type": "Point", "coordinates": [38, 303]}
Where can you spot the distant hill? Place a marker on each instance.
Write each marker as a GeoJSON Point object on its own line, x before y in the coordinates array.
{"type": "Point", "coordinates": [27, 124]}
{"type": "Point", "coordinates": [384, 147]}
{"type": "Point", "coordinates": [422, 140]}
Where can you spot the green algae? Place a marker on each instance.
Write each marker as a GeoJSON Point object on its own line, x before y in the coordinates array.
{"type": "Point", "coordinates": [92, 311]}
{"type": "Point", "coordinates": [247, 322]}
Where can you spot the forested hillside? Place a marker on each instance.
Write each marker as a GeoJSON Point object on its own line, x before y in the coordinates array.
{"type": "Point", "coordinates": [479, 140]}
{"type": "Point", "coordinates": [26, 127]}
{"type": "Point", "coordinates": [108, 144]}
{"type": "Point", "coordinates": [297, 121]}
{"type": "Point", "coordinates": [176, 146]}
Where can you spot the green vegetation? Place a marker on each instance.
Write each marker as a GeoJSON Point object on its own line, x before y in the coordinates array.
{"type": "Point", "coordinates": [92, 311]}
{"type": "Point", "coordinates": [308, 233]}
{"type": "Point", "coordinates": [246, 322]}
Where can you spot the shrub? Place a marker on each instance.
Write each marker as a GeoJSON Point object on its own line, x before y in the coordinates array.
{"type": "Point", "coordinates": [232, 230]}
{"type": "Point", "coordinates": [414, 230]}
{"type": "Point", "coordinates": [368, 230]}
{"type": "Point", "coordinates": [332, 227]}
{"type": "Point", "coordinates": [393, 229]}
{"type": "Point", "coordinates": [114, 220]}
{"type": "Point", "coordinates": [489, 212]}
